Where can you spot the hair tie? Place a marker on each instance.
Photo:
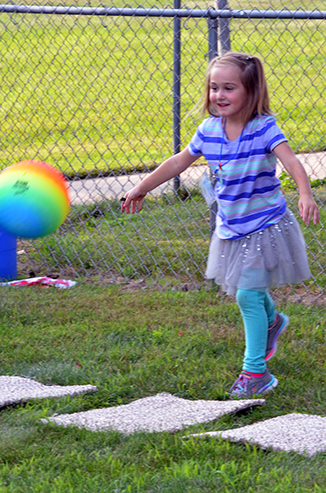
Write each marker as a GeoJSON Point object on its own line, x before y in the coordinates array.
{"type": "Point", "coordinates": [249, 58]}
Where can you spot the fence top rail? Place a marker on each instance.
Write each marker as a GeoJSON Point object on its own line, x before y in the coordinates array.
{"type": "Point", "coordinates": [154, 12]}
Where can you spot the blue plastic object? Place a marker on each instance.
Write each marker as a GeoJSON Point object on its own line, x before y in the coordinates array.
{"type": "Point", "coordinates": [8, 256]}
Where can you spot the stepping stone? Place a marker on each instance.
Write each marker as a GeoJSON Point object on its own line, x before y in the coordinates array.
{"type": "Point", "coordinates": [161, 412]}
{"type": "Point", "coordinates": [14, 390]}
{"type": "Point", "coordinates": [302, 433]}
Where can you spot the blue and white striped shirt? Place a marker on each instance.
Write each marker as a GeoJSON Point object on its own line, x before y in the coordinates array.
{"type": "Point", "coordinates": [248, 193]}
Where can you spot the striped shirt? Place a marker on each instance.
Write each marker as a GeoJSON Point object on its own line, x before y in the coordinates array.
{"type": "Point", "coordinates": [247, 190]}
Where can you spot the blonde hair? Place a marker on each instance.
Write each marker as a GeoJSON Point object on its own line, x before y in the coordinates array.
{"type": "Point", "coordinates": [252, 78]}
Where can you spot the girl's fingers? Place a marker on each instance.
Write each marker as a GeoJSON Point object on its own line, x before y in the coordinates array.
{"type": "Point", "coordinates": [316, 216]}
{"type": "Point", "coordinates": [309, 211]}
{"type": "Point", "coordinates": [311, 214]}
{"type": "Point", "coordinates": [126, 202]}
{"type": "Point", "coordinates": [136, 202]}
{"type": "Point", "coordinates": [308, 215]}
{"type": "Point", "coordinates": [123, 203]}
{"type": "Point", "coordinates": [140, 204]}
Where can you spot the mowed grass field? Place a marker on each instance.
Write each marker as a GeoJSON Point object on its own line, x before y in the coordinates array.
{"type": "Point", "coordinates": [93, 95]}
{"type": "Point", "coordinates": [137, 344]}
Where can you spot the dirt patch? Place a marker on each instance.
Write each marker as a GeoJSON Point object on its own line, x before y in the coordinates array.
{"type": "Point", "coordinates": [29, 266]}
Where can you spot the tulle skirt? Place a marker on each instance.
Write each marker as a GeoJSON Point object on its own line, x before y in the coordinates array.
{"type": "Point", "coordinates": [272, 257]}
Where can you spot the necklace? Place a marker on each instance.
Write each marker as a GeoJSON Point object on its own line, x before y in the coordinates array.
{"type": "Point", "coordinates": [219, 169]}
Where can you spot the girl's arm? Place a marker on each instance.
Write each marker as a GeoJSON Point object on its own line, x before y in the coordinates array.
{"type": "Point", "coordinates": [170, 168]}
{"type": "Point", "coordinates": [307, 206]}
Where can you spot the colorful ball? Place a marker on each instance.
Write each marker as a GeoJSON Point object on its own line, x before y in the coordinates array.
{"type": "Point", "coordinates": [34, 199]}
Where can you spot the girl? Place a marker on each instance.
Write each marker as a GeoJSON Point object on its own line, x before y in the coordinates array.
{"type": "Point", "coordinates": [257, 241]}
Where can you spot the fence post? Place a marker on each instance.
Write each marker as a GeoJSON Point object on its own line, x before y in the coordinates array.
{"type": "Point", "coordinates": [212, 38]}
{"type": "Point", "coordinates": [212, 53]}
{"type": "Point", "coordinates": [176, 87]}
{"type": "Point", "coordinates": [224, 27]}
{"type": "Point", "coordinates": [225, 45]}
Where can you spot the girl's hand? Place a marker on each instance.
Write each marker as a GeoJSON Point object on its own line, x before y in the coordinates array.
{"type": "Point", "coordinates": [308, 209]}
{"type": "Point", "coordinates": [307, 206]}
{"type": "Point", "coordinates": [172, 167]}
{"type": "Point", "coordinates": [132, 198]}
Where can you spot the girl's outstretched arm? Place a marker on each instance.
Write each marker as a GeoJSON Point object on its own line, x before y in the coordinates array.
{"type": "Point", "coordinates": [170, 168]}
{"type": "Point", "coordinates": [307, 206]}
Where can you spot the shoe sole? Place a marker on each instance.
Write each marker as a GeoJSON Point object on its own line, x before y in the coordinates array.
{"type": "Point", "coordinates": [280, 332]}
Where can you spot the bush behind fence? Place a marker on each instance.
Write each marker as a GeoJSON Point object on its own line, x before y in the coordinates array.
{"type": "Point", "coordinates": [95, 95]}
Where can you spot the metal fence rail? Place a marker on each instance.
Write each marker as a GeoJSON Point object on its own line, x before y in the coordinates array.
{"type": "Point", "coordinates": [107, 93]}
{"type": "Point", "coordinates": [211, 13]}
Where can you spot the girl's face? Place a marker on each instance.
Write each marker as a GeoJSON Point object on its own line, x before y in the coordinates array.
{"type": "Point", "coordinates": [227, 94]}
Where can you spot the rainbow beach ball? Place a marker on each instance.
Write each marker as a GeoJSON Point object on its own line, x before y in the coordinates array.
{"type": "Point", "coordinates": [34, 199]}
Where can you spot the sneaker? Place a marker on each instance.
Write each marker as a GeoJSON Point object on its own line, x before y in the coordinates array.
{"type": "Point", "coordinates": [278, 328]}
{"type": "Point", "coordinates": [246, 387]}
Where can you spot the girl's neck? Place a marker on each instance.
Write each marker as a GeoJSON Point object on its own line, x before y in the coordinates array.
{"type": "Point", "coordinates": [232, 129]}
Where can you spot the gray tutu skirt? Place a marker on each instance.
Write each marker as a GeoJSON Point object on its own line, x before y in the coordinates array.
{"type": "Point", "coordinates": [272, 257]}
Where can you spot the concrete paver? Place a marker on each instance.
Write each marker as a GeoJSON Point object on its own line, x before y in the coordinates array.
{"type": "Point", "coordinates": [160, 412]}
{"type": "Point", "coordinates": [301, 433]}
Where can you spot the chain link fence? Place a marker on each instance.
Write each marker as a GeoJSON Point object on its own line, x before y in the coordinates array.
{"type": "Point", "coordinates": [105, 94]}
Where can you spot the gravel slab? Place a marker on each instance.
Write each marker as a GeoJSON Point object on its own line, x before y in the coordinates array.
{"type": "Point", "coordinates": [161, 412]}
{"type": "Point", "coordinates": [14, 390]}
{"type": "Point", "coordinates": [302, 433]}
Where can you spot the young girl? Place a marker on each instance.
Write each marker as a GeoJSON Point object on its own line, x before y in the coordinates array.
{"type": "Point", "coordinates": [257, 241]}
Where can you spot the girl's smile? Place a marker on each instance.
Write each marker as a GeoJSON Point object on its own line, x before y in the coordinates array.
{"type": "Point", "coordinates": [227, 94]}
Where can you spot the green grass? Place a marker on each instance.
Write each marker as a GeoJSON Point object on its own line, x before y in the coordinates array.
{"type": "Point", "coordinates": [292, 58]}
{"type": "Point", "coordinates": [91, 95]}
{"type": "Point", "coordinates": [136, 344]}
{"type": "Point", "coordinates": [94, 95]}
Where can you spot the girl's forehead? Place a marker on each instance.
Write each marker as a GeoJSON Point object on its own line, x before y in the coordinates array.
{"type": "Point", "coordinates": [226, 73]}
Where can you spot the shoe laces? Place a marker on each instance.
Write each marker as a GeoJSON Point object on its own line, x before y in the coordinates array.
{"type": "Point", "coordinates": [240, 385]}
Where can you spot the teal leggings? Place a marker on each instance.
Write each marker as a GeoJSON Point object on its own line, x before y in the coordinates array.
{"type": "Point", "coordinates": [258, 312]}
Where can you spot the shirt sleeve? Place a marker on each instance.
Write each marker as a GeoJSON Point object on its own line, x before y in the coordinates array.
{"type": "Point", "coordinates": [273, 135]}
{"type": "Point", "coordinates": [195, 147]}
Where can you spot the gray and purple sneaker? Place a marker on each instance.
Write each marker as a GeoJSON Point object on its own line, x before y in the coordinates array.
{"type": "Point", "coordinates": [246, 386]}
{"type": "Point", "coordinates": [278, 328]}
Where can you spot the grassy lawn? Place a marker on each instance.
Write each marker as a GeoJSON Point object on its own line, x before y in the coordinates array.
{"type": "Point", "coordinates": [136, 344]}
{"type": "Point", "coordinates": [94, 95]}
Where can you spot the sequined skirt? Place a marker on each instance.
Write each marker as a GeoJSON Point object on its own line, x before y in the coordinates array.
{"type": "Point", "coordinates": [272, 257]}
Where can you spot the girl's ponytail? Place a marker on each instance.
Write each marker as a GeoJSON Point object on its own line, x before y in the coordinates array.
{"type": "Point", "coordinates": [262, 98]}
